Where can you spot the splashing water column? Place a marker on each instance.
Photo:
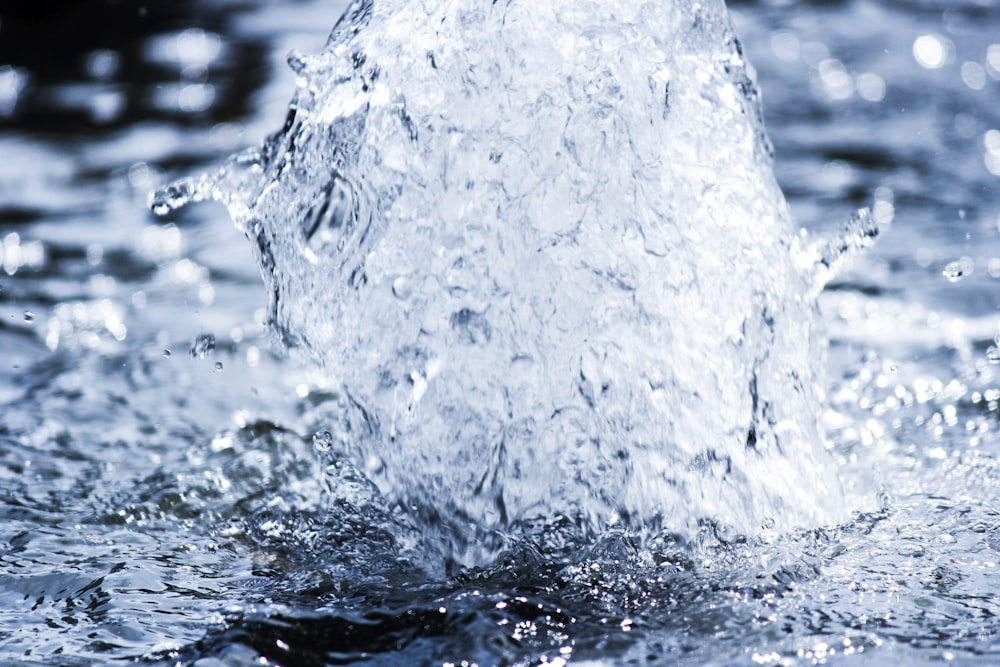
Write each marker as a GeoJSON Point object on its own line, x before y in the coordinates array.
{"type": "Point", "coordinates": [542, 252]}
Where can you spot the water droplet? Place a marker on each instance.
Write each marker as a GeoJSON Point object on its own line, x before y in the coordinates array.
{"type": "Point", "coordinates": [172, 197]}
{"type": "Point", "coordinates": [29, 316]}
{"type": "Point", "coordinates": [203, 346]}
{"type": "Point", "coordinates": [218, 365]}
{"type": "Point", "coordinates": [843, 244]}
{"type": "Point", "coordinates": [166, 353]}
{"type": "Point", "coordinates": [953, 272]}
{"type": "Point", "coordinates": [298, 62]}
{"type": "Point", "coordinates": [860, 233]}
{"type": "Point", "coordinates": [958, 269]}
{"type": "Point", "coordinates": [322, 441]}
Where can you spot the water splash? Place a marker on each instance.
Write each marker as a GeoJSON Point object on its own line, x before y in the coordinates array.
{"type": "Point", "coordinates": [542, 252]}
{"type": "Point", "coordinates": [826, 257]}
{"type": "Point", "coordinates": [203, 346]}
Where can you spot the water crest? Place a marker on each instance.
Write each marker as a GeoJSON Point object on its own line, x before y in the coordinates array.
{"type": "Point", "coordinates": [541, 252]}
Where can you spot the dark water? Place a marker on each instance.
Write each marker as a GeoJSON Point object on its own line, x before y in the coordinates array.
{"type": "Point", "coordinates": [162, 497]}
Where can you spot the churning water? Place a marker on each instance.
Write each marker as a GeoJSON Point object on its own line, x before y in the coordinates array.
{"type": "Point", "coordinates": [561, 392]}
{"type": "Point", "coordinates": [497, 227]}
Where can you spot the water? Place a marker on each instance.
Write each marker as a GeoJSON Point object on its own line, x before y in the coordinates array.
{"type": "Point", "coordinates": [158, 506]}
{"type": "Point", "coordinates": [504, 272]}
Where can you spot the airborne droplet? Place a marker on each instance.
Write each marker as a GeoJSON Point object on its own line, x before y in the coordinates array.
{"type": "Point", "coordinates": [993, 354]}
{"type": "Point", "coordinates": [203, 346]}
{"type": "Point", "coordinates": [172, 197]}
{"type": "Point", "coordinates": [953, 272]}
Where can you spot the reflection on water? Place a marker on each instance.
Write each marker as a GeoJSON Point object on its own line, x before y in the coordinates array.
{"type": "Point", "coordinates": [155, 505]}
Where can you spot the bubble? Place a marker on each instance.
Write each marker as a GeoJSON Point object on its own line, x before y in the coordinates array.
{"type": "Point", "coordinates": [203, 346]}
{"type": "Point", "coordinates": [218, 366]}
{"type": "Point", "coordinates": [993, 354]}
{"type": "Point", "coordinates": [29, 316]}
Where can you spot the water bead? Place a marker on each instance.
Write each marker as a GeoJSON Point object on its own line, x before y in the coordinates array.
{"type": "Point", "coordinates": [203, 346]}
{"type": "Point", "coordinates": [953, 272]}
{"type": "Point", "coordinates": [171, 198]}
